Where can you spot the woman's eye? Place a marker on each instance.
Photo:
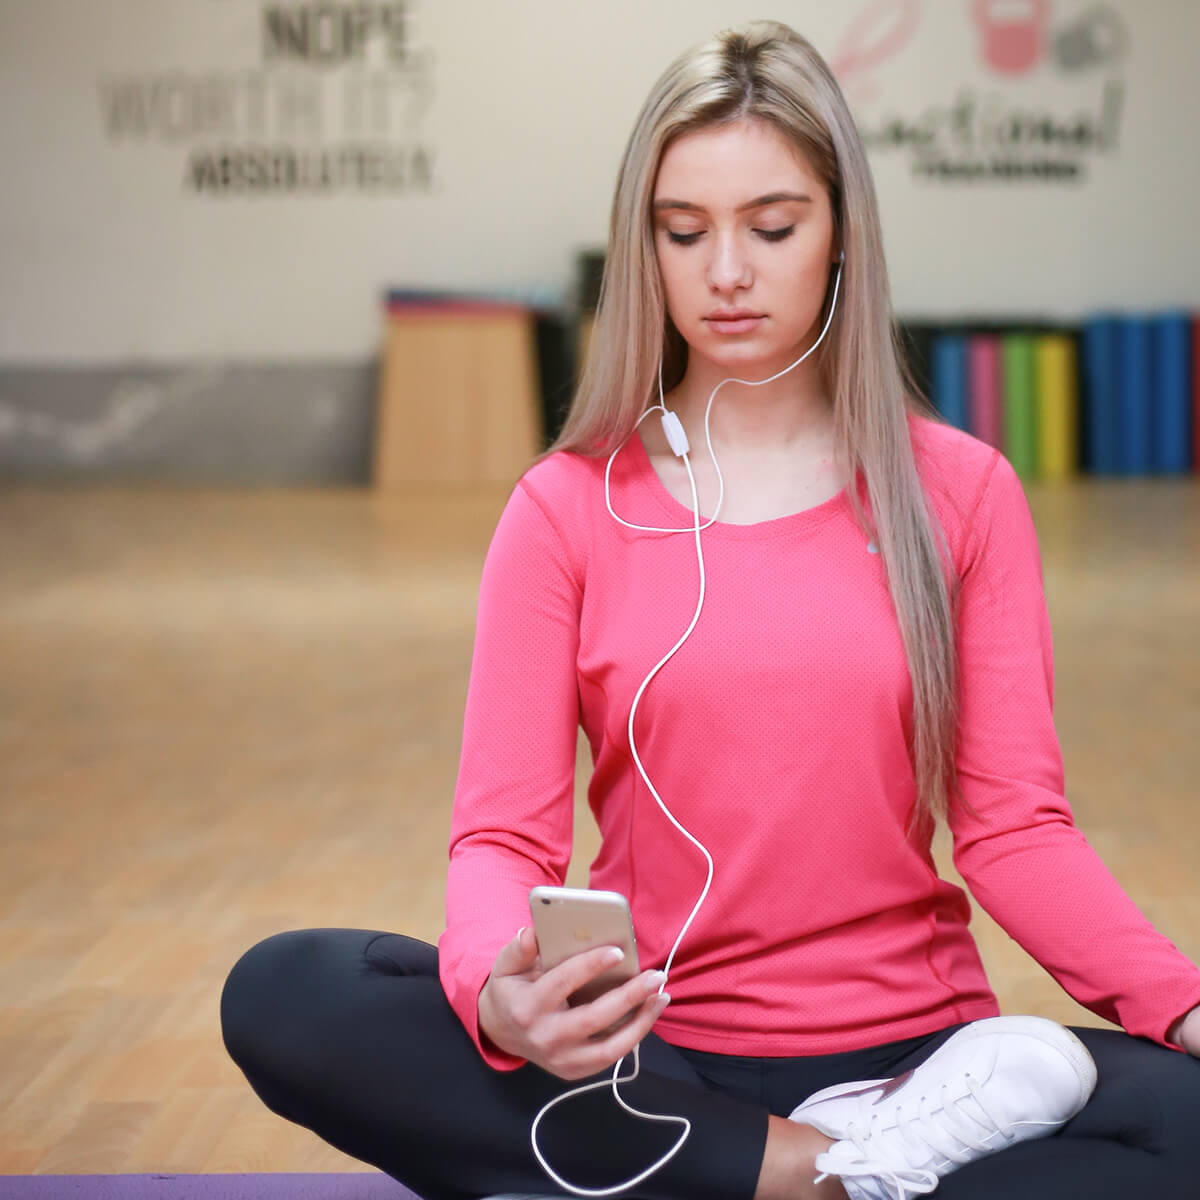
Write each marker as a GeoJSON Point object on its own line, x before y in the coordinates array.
{"type": "Point", "coordinates": [768, 235]}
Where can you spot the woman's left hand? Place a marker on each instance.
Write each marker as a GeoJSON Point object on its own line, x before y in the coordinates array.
{"type": "Point", "coordinates": [1185, 1033]}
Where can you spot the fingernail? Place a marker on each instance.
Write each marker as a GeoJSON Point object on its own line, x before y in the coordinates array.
{"type": "Point", "coordinates": [656, 979]}
{"type": "Point", "coordinates": [614, 955]}
{"type": "Point", "coordinates": [663, 1000]}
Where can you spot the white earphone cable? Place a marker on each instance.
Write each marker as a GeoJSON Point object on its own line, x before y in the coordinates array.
{"type": "Point", "coordinates": [616, 1077]}
{"type": "Point", "coordinates": [695, 528]}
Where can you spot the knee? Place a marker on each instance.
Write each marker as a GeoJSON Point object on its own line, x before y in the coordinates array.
{"type": "Point", "coordinates": [258, 999]}
{"type": "Point", "coordinates": [1177, 1089]}
{"type": "Point", "coordinates": [1152, 1102]}
{"type": "Point", "coordinates": [1165, 1103]}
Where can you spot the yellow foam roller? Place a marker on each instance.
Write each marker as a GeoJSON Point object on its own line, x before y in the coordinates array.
{"type": "Point", "coordinates": [1056, 377]}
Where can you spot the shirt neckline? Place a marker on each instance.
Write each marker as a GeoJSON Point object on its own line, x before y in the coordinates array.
{"type": "Point", "coordinates": [680, 515]}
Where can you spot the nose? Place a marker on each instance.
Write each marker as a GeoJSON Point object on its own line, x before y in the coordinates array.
{"type": "Point", "coordinates": [729, 266]}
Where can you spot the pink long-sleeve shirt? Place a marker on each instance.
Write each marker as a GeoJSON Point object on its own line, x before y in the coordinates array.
{"type": "Point", "coordinates": [779, 736]}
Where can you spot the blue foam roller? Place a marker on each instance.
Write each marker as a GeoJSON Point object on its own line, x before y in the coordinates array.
{"type": "Point", "coordinates": [1135, 418]}
{"type": "Point", "coordinates": [949, 377]}
{"type": "Point", "coordinates": [1171, 347]}
{"type": "Point", "coordinates": [1100, 394]}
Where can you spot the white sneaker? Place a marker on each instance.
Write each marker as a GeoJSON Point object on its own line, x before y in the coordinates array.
{"type": "Point", "coordinates": [992, 1084]}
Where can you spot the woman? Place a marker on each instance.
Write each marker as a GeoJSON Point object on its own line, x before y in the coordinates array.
{"type": "Point", "coordinates": [867, 649]}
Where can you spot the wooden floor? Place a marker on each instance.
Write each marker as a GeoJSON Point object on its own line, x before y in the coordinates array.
{"type": "Point", "coordinates": [224, 714]}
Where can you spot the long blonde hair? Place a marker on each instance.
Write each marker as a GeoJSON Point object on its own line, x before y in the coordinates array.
{"type": "Point", "coordinates": [764, 70]}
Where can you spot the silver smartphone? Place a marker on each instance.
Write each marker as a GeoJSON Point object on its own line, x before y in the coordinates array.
{"type": "Point", "coordinates": [568, 921]}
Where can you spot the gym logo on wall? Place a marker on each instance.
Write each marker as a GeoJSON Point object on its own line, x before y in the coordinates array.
{"type": "Point", "coordinates": [993, 134]}
{"type": "Point", "coordinates": [334, 105]}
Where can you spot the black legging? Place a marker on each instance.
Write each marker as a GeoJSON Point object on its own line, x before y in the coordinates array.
{"type": "Point", "coordinates": [349, 1033]}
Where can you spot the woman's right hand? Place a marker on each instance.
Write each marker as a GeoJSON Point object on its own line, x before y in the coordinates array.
{"type": "Point", "coordinates": [523, 1010]}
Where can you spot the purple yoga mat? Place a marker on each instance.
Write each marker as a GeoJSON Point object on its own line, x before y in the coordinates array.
{"type": "Point", "coordinates": [358, 1186]}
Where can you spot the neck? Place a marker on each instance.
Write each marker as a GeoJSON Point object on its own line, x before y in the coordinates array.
{"type": "Point", "coordinates": [775, 415]}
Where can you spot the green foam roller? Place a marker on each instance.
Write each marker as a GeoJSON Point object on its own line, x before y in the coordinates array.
{"type": "Point", "coordinates": [1020, 404]}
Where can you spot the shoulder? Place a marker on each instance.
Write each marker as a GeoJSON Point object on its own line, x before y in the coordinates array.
{"type": "Point", "coordinates": [565, 486]}
{"type": "Point", "coordinates": [948, 459]}
{"type": "Point", "coordinates": [562, 474]}
{"type": "Point", "coordinates": [552, 511]}
{"type": "Point", "coordinates": [957, 471]}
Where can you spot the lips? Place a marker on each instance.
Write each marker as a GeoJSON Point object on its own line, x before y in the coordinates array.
{"type": "Point", "coordinates": [737, 322]}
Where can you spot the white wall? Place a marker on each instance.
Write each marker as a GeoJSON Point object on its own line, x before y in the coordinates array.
{"type": "Point", "coordinates": [524, 106]}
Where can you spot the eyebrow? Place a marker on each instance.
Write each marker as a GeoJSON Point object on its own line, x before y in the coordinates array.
{"type": "Point", "coordinates": [761, 202]}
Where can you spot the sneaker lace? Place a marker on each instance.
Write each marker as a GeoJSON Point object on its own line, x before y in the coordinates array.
{"type": "Point", "coordinates": [960, 1136]}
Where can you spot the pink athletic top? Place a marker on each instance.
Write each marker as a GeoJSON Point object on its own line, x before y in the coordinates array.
{"type": "Point", "coordinates": [778, 735]}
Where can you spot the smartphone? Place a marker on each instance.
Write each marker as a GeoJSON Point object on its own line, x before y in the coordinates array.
{"type": "Point", "coordinates": [570, 920]}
